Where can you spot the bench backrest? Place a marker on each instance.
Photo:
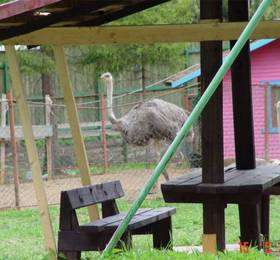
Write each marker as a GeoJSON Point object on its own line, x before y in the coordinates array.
{"type": "Point", "coordinates": [93, 194]}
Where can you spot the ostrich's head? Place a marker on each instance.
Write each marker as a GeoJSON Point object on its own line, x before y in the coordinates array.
{"type": "Point", "coordinates": [107, 77]}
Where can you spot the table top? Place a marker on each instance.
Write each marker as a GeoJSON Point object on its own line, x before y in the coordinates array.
{"type": "Point", "coordinates": [235, 181]}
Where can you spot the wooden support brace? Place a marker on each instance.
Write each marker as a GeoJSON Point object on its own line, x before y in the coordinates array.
{"type": "Point", "coordinates": [79, 146]}
{"type": "Point", "coordinates": [32, 152]}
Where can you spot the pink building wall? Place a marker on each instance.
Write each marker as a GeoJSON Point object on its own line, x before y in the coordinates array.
{"type": "Point", "coordinates": [265, 66]}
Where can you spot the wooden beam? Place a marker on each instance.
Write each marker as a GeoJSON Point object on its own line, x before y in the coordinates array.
{"type": "Point", "coordinates": [212, 133]}
{"type": "Point", "coordinates": [145, 34]}
{"type": "Point", "coordinates": [79, 146]}
{"type": "Point", "coordinates": [32, 152]}
{"type": "Point", "coordinates": [242, 94]}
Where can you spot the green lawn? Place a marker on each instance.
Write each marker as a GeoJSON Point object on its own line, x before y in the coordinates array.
{"type": "Point", "coordinates": [21, 235]}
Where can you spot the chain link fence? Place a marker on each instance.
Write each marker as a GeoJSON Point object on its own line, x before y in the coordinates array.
{"type": "Point", "coordinates": [109, 157]}
{"type": "Point", "coordinates": [110, 160]}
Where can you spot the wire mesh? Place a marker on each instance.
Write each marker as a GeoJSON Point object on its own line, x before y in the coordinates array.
{"type": "Point", "coordinates": [130, 164]}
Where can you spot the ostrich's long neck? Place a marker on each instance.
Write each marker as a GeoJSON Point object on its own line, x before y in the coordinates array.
{"type": "Point", "coordinates": [111, 114]}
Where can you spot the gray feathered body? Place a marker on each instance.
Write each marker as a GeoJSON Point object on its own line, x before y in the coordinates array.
{"type": "Point", "coordinates": [153, 120]}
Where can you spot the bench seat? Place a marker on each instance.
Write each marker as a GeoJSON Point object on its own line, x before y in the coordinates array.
{"type": "Point", "coordinates": [143, 217]}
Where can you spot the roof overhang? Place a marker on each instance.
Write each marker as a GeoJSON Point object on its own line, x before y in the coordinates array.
{"type": "Point", "coordinates": [24, 16]}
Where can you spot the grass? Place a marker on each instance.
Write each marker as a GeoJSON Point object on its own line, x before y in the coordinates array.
{"type": "Point", "coordinates": [21, 234]}
{"type": "Point", "coordinates": [99, 169]}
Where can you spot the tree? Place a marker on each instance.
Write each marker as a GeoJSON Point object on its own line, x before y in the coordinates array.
{"type": "Point", "coordinates": [118, 58]}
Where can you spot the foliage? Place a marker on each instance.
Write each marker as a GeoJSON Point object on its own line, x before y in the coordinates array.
{"type": "Point", "coordinates": [36, 60]}
{"type": "Point", "coordinates": [118, 58]}
{"type": "Point", "coordinates": [273, 11]}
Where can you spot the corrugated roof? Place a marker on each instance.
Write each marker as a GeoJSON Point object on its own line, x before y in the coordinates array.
{"type": "Point", "coordinates": [189, 74]}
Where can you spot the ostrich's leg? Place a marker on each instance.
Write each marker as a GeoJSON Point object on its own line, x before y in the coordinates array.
{"type": "Point", "coordinates": [157, 146]}
{"type": "Point", "coordinates": [165, 174]}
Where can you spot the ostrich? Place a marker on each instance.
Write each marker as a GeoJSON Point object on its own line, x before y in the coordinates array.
{"type": "Point", "coordinates": [148, 122]}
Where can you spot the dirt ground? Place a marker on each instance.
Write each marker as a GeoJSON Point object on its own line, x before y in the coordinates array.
{"type": "Point", "coordinates": [132, 183]}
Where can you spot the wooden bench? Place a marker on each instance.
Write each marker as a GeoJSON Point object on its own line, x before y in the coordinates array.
{"type": "Point", "coordinates": [94, 236]}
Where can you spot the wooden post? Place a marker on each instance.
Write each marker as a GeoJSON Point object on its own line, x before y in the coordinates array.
{"type": "Point", "coordinates": [242, 94]}
{"type": "Point", "coordinates": [249, 215]}
{"type": "Point", "coordinates": [73, 118]}
{"type": "Point", "coordinates": [104, 138]}
{"type": "Point", "coordinates": [32, 152]}
{"type": "Point", "coordinates": [14, 148]}
{"type": "Point", "coordinates": [48, 108]}
{"type": "Point", "coordinates": [212, 126]}
{"type": "Point", "coordinates": [2, 141]}
{"type": "Point", "coordinates": [266, 134]}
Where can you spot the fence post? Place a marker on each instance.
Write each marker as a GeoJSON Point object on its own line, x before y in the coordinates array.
{"type": "Point", "coordinates": [14, 147]}
{"type": "Point", "coordinates": [48, 104]}
{"type": "Point", "coordinates": [2, 141]}
{"type": "Point", "coordinates": [266, 134]}
{"type": "Point", "coordinates": [104, 138]}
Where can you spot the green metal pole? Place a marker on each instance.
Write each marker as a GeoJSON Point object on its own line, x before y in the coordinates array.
{"type": "Point", "coordinates": [187, 125]}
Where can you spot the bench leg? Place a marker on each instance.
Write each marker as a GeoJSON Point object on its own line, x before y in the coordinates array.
{"type": "Point", "coordinates": [265, 217]}
{"type": "Point", "coordinates": [250, 223]}
{"type": "Point", "coordinates": [69, 255]}
{"type": "Point", "coordinates": [162, 234]}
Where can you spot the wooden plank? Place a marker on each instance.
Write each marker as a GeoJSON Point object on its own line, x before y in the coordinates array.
{"type": "Point", "coordinates": [109, 208]}
{"type": "Point", "coordinates": [242, 94]}
{"type": "Point", "coordinates": [190, 197]}
{"type": "Point", "coordinates": [249, 215]}
{"type": "Point", "coordinates": [274, 190]}
{"type": "Point", "coordinates": [142, 218]}
{"type": "Point", "coordinates": [81, 241]}
{"type": "Point", "coordinates": [73, 118]}
{"type": "Point", "coordinates": [190, 181]}
{"type": "Point", "coordinates": [145, 34]}
{"type": "Point", "coordinates": [94, 194]}
{"type": "Point", "coordinates": [250, 223]}
{"type": "Point", "coordinates": [259, 179]}
{"type": "Point", "coordinates": [212, 133]}
{"type": "Point", "coordinates": [19, 7]}
{"type": "Point", "coordinates": [109, 223]}
{"type": "Point", "coordinates": [265, 207]}
{"type": "Point", "coordinates": [162, 234]}
{"type": "Point", "coordinates": [32, 152]}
